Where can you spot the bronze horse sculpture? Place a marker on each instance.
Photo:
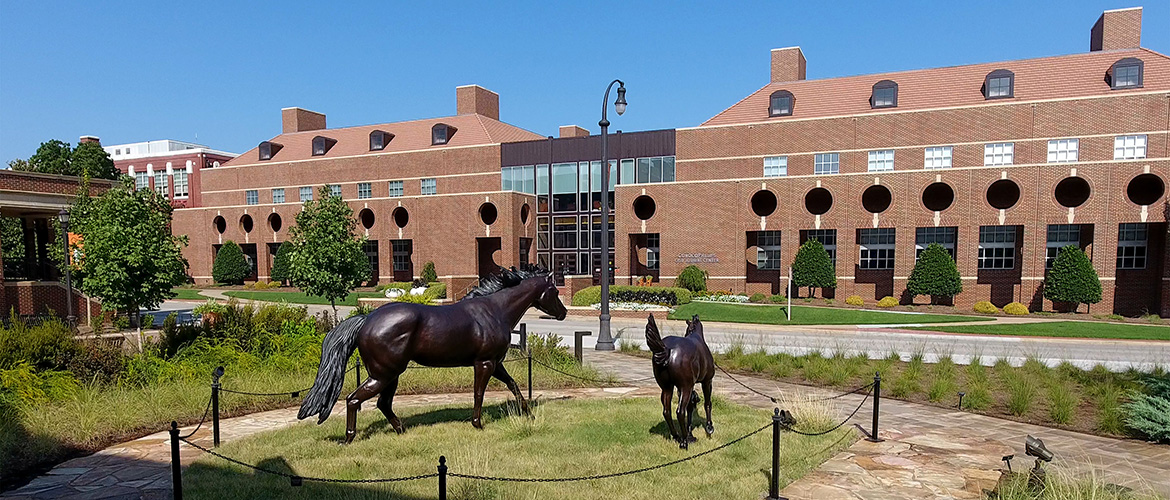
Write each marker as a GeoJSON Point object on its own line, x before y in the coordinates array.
{"type": "Point", "coordinates": [476, 332]}
{"type": "Point", "coordinates": [682, 362]}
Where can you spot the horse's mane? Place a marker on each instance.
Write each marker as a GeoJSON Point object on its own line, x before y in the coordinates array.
{"type": "Point", "coordinates": [505, 278]}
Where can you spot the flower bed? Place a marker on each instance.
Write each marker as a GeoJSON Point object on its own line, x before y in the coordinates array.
{"type": "Point", "coordinates": [634, 306]}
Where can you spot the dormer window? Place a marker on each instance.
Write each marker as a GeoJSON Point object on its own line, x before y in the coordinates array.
{"type": "Point", "coordinates": [1126, 74]}
{"type": "Point", "coordinates": [379, 140]}
{"type": "Point", "coordinates": [269, 149]}
{"type": "Point", "coordinates": [885, 95]}
{"type": "Point", "coordinates": [999, 84]}
{"type": "Point", "coordinates": [782, 102]}
{"type": "Point", "coordinates": [441, 133]}
{"type": "Point", "coordinates": [321, 145]}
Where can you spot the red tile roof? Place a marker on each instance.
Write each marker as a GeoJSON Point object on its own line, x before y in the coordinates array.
{"type": "Point", "coordinates": [1076, 75]}
{"type": "Point", "coordinates": [415, 135]}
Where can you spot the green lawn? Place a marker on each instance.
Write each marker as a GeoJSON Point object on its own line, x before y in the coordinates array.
{"type": "Point", "coordinates": [804, 315]}
{"type": "Point", "coordinates": [565, 438]}
{"type": "Point", "coordinates": [1082, 329]}
{"type": "Point", "coordinates": [297, 297]}
{"type": "Point", "coordinates": [188, 294]}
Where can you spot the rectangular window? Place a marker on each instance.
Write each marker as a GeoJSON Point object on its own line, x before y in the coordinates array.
{"type": "Point", "coordinates": [523, 179]}
{"type": "Point", "coordinates": [370, 248]}
{"type": "Point", "coordinates": [1062, 150]}
{"type": "Point", "coordinates": [776, 166]}
{"type": "Point", "coordinates": [542, 233]}
{"type": "Point", "coordinates": [160, 183]}
{"type": "Point", "coordinates": [768, 250]}
{"type": "Point", "coordinates": [1059, 236]}
{"type": "Point", "coordinates": [828, 239]}
{"type": "Point", "coordinates": [667, 169]}
{"type": "Point", "coordinates": [1131, 245]}
{"type": "Point", "coordinates": [999, 153]}
{"type": "Point", "coordinates": [182, 189]}
{"type": "Point", "coordinates": [278, 195]}
{"type": "Point", "coordinates": [365, 191]}
{"type": "Point", "coordinates": [542, 180]}
{"type": "Point", "coordinates": [428, 187]}
{"type": "Point", "coordinates": [653, 251]}
{"type": "Point", "coordinates": [643, 170]}
{"type": "Point", "coordinates": [938, 157]}
{"type": "Point", "coordinates": [881, 161]}
{"type": "Point", "coordinates": [141, 180]}
{"type": "Point", "coordinates": [1129, 147]}
{"type": "Point", "coordinates": [944, 236]}
{"type": "Point", "coordinates": [827, 163]}
{"type": "Point", "coordinates": [997, 247]}
{"type": "Point", "coordinates": [1127, 76]}
{"type": "Point", "coordinates": [307, 193]}
{"type": "Point", "coordinates": [627, 171]}
{"type": "Point", "coordinates": [884, 97]}
{"type": "Point", "coordinates": [999, 86]}
{"type": "Point", "coordinates": [395, 189]}
{"type": "Point", "coordinates": [564, 233]}
{"type": "Point", "coordinates": [400, 251]}
{"type": "Point", "coordinates": [564, 187]}
{"type": "Point", "coordinates": [876, 248]}
{"type": "Point", "coordinates": [335, 190]}
{"type": "Point", "coordinates": [251, 197]}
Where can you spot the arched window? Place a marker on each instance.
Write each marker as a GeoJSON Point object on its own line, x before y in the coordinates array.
{"type": "Point", "coordinates": [885, 95]}
{"type": "Point", "coordinates": [268, 149]}
{"type": "Point", "coordinates": [1126, 74]}
{"type": "Point", "coordinates": [379, 140]}
{"type": "Point", "coordinates": [441, 133]}
{"type": "Point", "coordinates": [999, 84]}
{"type": "Point", "coordinates": [781, 103]}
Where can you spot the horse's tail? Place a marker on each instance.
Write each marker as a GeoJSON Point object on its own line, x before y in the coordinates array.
{"type": "Point", "coordinates": [655, 343]}
{"type": "Point", "coordinates": [335, 351]}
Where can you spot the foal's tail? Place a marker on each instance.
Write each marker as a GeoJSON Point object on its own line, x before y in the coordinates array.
{"type": "Point", "coordinates": [335, 351]}
{"type": "Point", "coordinates": [655, 343]}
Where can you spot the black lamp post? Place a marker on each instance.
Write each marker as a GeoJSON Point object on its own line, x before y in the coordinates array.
{"type": "Point", "coordinates": [604, 339]}
{"type": "Point", "coordinates": [63, 217]}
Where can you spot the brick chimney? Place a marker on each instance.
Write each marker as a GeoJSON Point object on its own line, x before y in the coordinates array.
{"type": "Point", "coordinates": [473, 99]}
{"type": "Point", "coordinates": [300, 120]}
{"type": "Point", "coordinates": [787, 64]}
{"type": "Point", "coordinates": [89, 138]}
{"type": "Point", "coordinates": [1117, 29]}
{"type": "Point", "coordinates": [573, 131]}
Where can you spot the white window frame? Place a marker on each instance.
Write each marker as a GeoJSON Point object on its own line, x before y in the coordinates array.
{"type": "Point", "coordinates": [937, 157]}
{"type": "Point", "coordinates": [775, 166]}
{"type": "Point", "coordinates": [396, 189]}
{"type": "Point", "coordinates": [161, 186]}
{"type": "Point", "coordinates": [997, 243]}
{"type": "Point", "coordinates": [826, 163]}
{"type": "Point", "coordinates": [881, 160]}
{"type": "Point", "coordinates": [1063, 150]}
{"type": "Point", "coordinates": [999, 153]}
{"type": "Point", "coordinates": [275, 192]}
{"type": "Point", "coordinates": [1130, 249]}
{"type": "Point", "coordinates": [1129, 147]}
{"type": "Point", "coordinates": [876, 255]}
{"type": "Point", "coordinates": [365, 191]}
{"type": "Point", "coordinates": [182, 179]}
{"type": "Point", "coordinates": [428, 186]}
{"type": "Point", "coordinates": [251, 197]}
{"type": "Point", "coordinates": [306, 193]}
{"type": "Point", "coordinates": [335, 190]}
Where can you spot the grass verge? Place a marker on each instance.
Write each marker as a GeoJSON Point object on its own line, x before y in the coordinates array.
{"type": "Point", "coordinates": [804, 315]}
{"type": "Point", "coordinates": [188, 294]}
{"type": "Point", "coordinates": [1073, 329]}
{"type": "Point", "coordinates": [565, 438]}
{"type": "Point", "coordinates": [298, 297]}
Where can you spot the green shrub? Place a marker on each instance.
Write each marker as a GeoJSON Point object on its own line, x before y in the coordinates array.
{"type": "Point", "coordinates": [935, 274]}
{"type": "Point", "coordinates": [626, 345]}
{"type": "Point", "coordinates": [49, 345]}
{"type": "Point", "coordinates": [692, 278]}
{"type": "Point", "coordinates": [855, 300]}
{"type": "Point", "coordinates": [548, 349]}
{"type": "Point", "coordinates": [757, 298]}
{"type": "Point", "coordinates": [1149, 417]}
{"type": "Point", "coordinates": [230, 266]}
{"type": "Point", "coordinates": [812, 267]}
{"type": "Point", "coordinates": [279, 272]}
{"type": "Point", "coordinates": [985, 307]}
{"type": "Point", "coordinates": [1072, 278]}
{"type": "Point", "coordinates": [778, 299]}
{"type": "Point", "coordinates": [668, 296]}
{"type": "Point", "coordinates": [887, 302]}
{"type": "Point", "coordinates": [1016, 309]}
{"type": "Point", "coordinates": [361, 309]}
{"type": "Point", "coordinates": [428, 273]}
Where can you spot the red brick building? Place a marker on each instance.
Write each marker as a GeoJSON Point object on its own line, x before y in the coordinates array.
{"type": "Point", "coordinates": [1002, 163]}
{"type": "Point", "coordinates": [172, 168]}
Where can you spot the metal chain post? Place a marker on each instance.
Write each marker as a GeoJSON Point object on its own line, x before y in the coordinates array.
{"type": "Point", "coordinates": [774, 484]}
{"type": "Point", "coordinates": [877, 400]}
{"type": "Point", "coordinates": [215, 408]}
{"type": "Point", "coordinates": [529, 374]}
{"type": "Point", "coordinates": [442, 477]}
{"type": "Point", "coordinates": [176, 465]}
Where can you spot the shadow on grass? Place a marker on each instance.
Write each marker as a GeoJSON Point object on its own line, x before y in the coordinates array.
{"type": "Point", "coordinates": [491, 413]}
{"type": "Point", "coordinates": [230, 482]}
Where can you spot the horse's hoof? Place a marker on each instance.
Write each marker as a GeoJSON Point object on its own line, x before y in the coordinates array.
{"type": "Point", "coordinates": [682, 445]}
{"type": "Point", "coordinates": [692, 439]}
{"type": "Point", "coordinates": [477, 424]}
{"type": "Point", "coordinates": [710, 429]}
{"type": "Point", "coordinates": [349, 435]}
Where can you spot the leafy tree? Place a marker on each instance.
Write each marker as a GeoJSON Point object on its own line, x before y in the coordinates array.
{"type": "Point", "coordinates": [1072, 278]}
{"type": "Point", "coordinates": [230, 266]}
{"type": "Point", "coordinates": [428, 273]}
{"type": "Point", "coordinates": [52, 157]}
{"type": "Point", "coordinates": [812, 267]}
{"type": "Point", "coordinates": [279, 273]}
{"type": "Point", "coordinates": [12, 239]}
{"type": "Point", "coordinates": [692, 278]}
{"type": "Point", "coordinates": [935, 274]}
{"type": "Point", "coordinates": [58, 157]}
{"type": "Point", "coordinates": [131, 260]}
{"type": "Point", "coordinates": [89, 159]}
{"type": "Point", "coordinates": [327, 260]}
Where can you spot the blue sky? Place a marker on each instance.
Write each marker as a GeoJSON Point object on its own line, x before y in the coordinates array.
{"type": "Point", "coordinates": [135, 71]}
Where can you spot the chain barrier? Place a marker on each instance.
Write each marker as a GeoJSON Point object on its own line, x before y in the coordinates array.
{"type": "Point", "coordinates": [295, 477]}
{"type": "Point", "coordinates": [615, 474]}
{"type": "Point", "coordinates": [835, 427]}
{"type": "Point", "coordinates": [285, 393]}
{"type": "Point", "coordinates": [587, 379]}
{"type": "Point", "coordinates": [776, 400]}
{"type": "Point", "coordinates": [201, 419]}
{"type": "Point", "coordinates": [745, 386]}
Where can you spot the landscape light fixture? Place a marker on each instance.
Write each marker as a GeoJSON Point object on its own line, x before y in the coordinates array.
{"type": "Point", "coordinates": [961, 394]}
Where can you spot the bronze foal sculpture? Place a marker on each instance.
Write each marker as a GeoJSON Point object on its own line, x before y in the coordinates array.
{"type": "Point", "coordinates": [682, 362]}
{"type": "Point", "coordinates": [476, 332]}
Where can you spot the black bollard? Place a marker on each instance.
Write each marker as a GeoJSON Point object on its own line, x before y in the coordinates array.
{"type": "Point", "coordinates": [215, 406]}
{"type": "Point", "coordinates": [176, 465]}
{"type": "Point", "coordinates": [529, 375]}
{"type": "Point", "coordinates": [774, 484]}
{"type": "Point", "coordinates": [442, 477]}
{"type": "Point", "coordinates": [877, 401]}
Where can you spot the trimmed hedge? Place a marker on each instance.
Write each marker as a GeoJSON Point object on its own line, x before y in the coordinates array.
{"type": "Point", "coordinates": [986, 307]}
{"type": "Point", "coordinates": [887, 302]}
{"type": "Point", "coordinates": [1016, 309]}
{"type": "Point", "coordinates": [855, 300]}
{"type": "Point", "coordinates": [757, 298]}
{"type": "Point", "coordinates": [661, 295]}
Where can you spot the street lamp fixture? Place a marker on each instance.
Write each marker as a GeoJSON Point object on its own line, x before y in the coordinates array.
{"type": "Point", "coordinates": [63, 218]}
{"type": "Point", "coordinates": [604, 338]}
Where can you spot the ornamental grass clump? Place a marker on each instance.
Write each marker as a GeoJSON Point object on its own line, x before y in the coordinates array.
{"type": "Point", "coordinates": [1062, 402]}
{"type": "Point", "coordinates": [1022, 391]}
